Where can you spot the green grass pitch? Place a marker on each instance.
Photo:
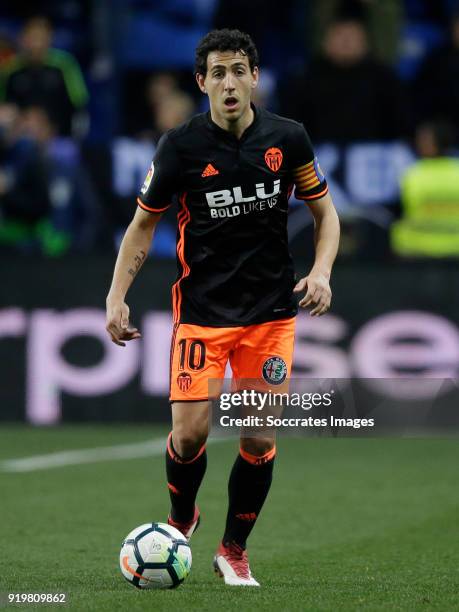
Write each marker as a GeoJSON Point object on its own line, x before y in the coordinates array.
{"type": "Point", "coordinates": [350, 524]}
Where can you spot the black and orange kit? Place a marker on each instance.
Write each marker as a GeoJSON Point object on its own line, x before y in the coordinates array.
{"type": "Point", "coordinates": [233, 297]}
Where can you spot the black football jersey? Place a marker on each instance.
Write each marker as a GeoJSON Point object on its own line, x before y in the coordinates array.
{"type": "Point", "coordinates": [234, 265]}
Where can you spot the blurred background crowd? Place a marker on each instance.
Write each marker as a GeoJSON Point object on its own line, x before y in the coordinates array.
{"type": "Point", "coordinates": [87, 89]}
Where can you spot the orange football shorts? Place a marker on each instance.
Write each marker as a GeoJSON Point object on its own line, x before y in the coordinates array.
{"type": "Point", "coordinates": [199, 355]}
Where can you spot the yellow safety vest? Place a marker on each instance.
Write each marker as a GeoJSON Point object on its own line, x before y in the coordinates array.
{"type": "Point", "coordinates": [430, 208]}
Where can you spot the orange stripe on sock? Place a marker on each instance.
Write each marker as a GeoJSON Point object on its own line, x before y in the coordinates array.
{"type": "Point", "coordinates": [248, 516]}
{"type": "Point", "coordinates": [173, 489]}
{"type": "Point", "coordinates": [258, 459]}
{"type": "Point", "coordinates": [173, 455]}
{"type": "Point", "coordinates": [169, 447]}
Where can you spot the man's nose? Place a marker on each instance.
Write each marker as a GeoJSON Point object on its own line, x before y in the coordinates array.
{"type": "Point", "coordinates": [229, 82]}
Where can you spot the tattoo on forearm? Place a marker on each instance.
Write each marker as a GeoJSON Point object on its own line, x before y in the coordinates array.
{"type": "Point", "coordinates": [138, 261]}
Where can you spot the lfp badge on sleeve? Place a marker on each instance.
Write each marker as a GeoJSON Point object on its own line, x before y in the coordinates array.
{"type": "Point", "coordinates": [147, 181]}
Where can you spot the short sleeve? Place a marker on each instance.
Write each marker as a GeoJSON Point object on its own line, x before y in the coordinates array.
{"type": "Point", "coordinates": [163, 178]}
{"type": "Point", "coordinates": [310, 183]}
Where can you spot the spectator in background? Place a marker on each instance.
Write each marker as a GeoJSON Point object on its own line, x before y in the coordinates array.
{"type": "Point", "coordinates": [47, 203]}
{"type": "Point", "coordinates": [42, 76]}
{"type": "Point", "coordinates": [430, 198]}
{"type": "Point", "coordinates": [72, 222]}
{"type": "Point", "coordinates": [24, 176]}
{"type": "Point", "coordinates": [382, 18]}
{"type": "Point", "coordinates": [166, 106]}
{"type": "Point", "coordinates": [159, 87]}
{"type": "Point", "coordinates": [172, 110]}
{"type": "Point", "coordinates": [346, 95]}
{"type": "Point", "coordinates": [264, 94]}
{"type": "Point", "coordinates": [436, 89]}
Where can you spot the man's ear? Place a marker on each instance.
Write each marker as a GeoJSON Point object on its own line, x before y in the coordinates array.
{"type": "Point", "coordinates": [255, 76]}
{"type": "Point", "coordinates": [200, 81]}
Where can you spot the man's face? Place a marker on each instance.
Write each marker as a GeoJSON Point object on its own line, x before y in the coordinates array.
{"type": "Point", "coordinates": [346, 43]}
{"type": "Point", "coordinates": [228, 83]}
{"type": "Point", "coordinates": [36, 39]}
{"type": "Point", "coordinates": [425, 142]}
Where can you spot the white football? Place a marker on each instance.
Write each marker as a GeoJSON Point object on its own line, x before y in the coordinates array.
{"type": "Point", "coordinates": [155, 556]}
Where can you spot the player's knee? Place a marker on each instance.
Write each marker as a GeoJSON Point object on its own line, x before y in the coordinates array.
{"type": "Point", "coordinates": [257, 446]}
{"type": "Point", "coordinates": [188, 442]}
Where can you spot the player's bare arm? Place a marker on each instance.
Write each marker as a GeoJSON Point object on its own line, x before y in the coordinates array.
{"type": "Point", "coordinates": [326, 237]}
{"type": "Point", "coordinates": [133, 252]}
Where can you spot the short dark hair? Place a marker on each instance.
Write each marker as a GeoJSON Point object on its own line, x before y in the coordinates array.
{"type": "Point", "coordinates": [37, 20]}
{"type": "Point", "coordinates": [225, 40]}
{"type": "Point", "coordinates": [443, 134]}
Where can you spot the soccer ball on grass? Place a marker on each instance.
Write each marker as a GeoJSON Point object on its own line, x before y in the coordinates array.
{"type": "Point", "coordinates": [155, 556]}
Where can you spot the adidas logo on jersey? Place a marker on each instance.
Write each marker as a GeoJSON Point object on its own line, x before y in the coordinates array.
{"type": "Point", "coordinates": [209, 170]}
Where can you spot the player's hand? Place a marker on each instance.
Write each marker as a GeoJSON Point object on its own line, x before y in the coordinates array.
{"type": "Point", "coordinates": [118, 322]}
{"type": "Point", "coordinates": [318, 293]}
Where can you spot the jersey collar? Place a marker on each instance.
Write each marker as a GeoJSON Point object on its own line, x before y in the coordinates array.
{"type": "Point", "coordinates": [228, 135]}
